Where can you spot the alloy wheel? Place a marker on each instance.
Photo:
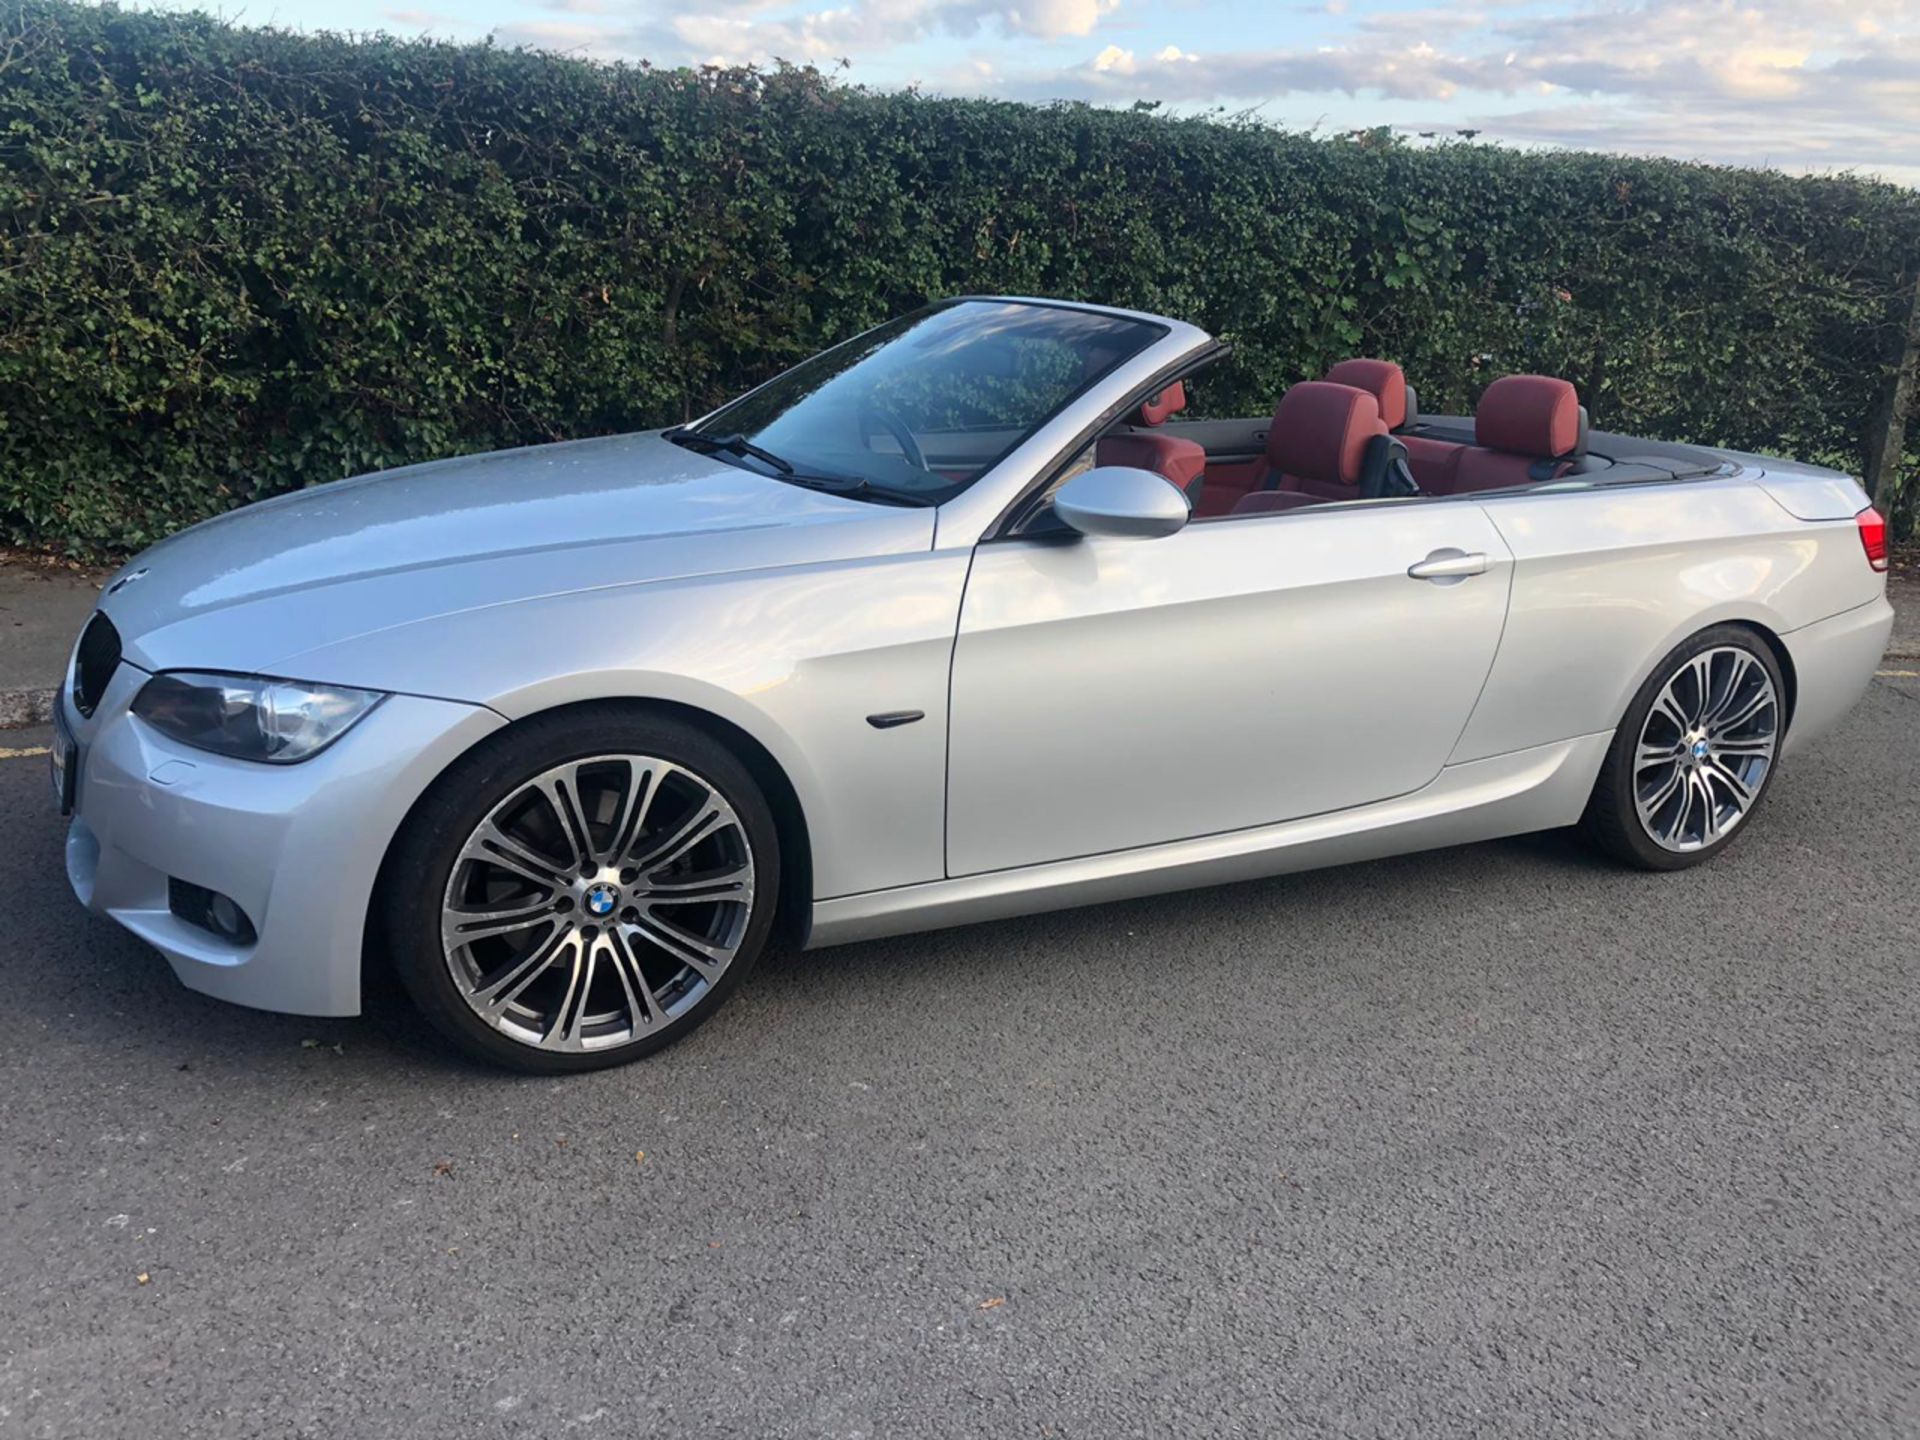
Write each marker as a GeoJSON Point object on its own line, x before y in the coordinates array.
{"type": "Point", "coordinates": [1706, 748]}
{"type": "Point", "coordinates": [597, 903]}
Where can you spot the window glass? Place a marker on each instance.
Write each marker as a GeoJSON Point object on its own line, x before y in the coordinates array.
{"type": "Point", "coordinates": [924, 405]}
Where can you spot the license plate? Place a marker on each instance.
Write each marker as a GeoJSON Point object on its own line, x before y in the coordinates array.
{"type": "Point", "coordinates": [63, 757]}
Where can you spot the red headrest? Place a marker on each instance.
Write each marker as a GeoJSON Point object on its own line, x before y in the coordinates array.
{"type": "Point", "coordinates": [1181, 461]}
{"type": "Point", "coordinates": [1170, 401]}
{"type": "Point", "coordinates": [1529, 415]}
{"type": "Point", "coordinates": [1320, 432]}
{"type": "Point", "coordinates": [1381, 379]}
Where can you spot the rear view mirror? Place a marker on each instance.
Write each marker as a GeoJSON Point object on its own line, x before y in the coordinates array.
{"type": "Point", "coordinates": [1123, 503]}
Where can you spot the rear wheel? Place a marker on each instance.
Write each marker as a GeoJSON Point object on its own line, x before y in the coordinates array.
{"type": "Point", "coordinates": [1694, 754]}
{"type": "Point", "coordinates": [582, 890]}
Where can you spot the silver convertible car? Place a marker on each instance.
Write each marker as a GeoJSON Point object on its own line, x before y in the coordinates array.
{"type": "Point", "coordinates": [960, 619]}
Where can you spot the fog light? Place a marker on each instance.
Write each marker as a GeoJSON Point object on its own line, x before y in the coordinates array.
{"type": "Point", "coordinates": [211, 911]}
{"type": "Point", "coordinates": [225, 917]}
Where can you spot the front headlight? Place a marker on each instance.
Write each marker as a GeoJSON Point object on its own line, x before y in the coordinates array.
{"type": "Point", "coordinates": [251, 717]}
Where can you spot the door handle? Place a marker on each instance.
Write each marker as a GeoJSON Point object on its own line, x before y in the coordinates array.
{"type": "Point", "coordinates": [1449, 564]}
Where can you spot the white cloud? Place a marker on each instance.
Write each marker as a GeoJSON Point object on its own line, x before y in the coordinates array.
{"type": "Point", "coordinates": [1115, 61]}
{"type": "Point", "coordinates": [750, 31]}
{"type": "Point", "coordinates": [1054, 17]}
{"type": "Point", "coordinates": [1805, 83]}
{"type": "Point", "coordinates": [1809, 83]}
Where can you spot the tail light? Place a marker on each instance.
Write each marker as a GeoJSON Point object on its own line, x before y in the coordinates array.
{"type": "Point", "coordinates": [1873, 537]}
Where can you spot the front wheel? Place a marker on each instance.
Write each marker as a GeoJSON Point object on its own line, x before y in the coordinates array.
{"type": "Point", "coordinates": [1694, 754]}
{"type": "Point", "coordinates": [580, 890]}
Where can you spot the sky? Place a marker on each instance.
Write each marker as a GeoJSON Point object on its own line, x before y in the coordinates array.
{"type": "Point", "coordinates": [1803, 85]}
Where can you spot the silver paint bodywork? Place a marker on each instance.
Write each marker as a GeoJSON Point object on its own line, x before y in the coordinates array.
{"type": "Point", "coordinates": [1105, 716]}
{"type": "Point", "coordinates": [1115, 502]}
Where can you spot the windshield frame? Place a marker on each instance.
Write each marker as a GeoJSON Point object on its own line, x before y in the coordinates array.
{"type": "Point", "coordinates": [1153, 333]}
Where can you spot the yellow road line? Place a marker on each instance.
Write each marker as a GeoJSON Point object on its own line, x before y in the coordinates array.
{"type": "Point", "coordinates": [1899, 674]}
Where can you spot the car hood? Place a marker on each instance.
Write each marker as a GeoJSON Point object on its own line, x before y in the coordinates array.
{"type": "Point", "coordinates": [258, 586]}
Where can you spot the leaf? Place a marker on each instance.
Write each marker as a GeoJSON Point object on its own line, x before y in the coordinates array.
{"type": "Point", "coordinates": [264, 260]}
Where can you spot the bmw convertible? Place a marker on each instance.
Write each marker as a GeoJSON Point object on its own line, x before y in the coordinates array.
{"type": "Point", "coordinates": [963, 618]}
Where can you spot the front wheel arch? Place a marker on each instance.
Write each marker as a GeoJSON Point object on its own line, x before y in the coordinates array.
{"type": "Point", "coordinates": [794, 916]}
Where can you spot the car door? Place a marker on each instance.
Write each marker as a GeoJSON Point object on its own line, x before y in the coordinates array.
{"type": "Point", "coordinates": [1112, 693]}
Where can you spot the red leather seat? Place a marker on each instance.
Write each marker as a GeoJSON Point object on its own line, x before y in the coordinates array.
{"type": "Point", "coordinates": [1181, 461]}
{"type": "Point", "coordinates": [1265, 502]}
{"type": "Point", "coordinates": [1319, 444]}
{"type": "Point", "coordinates": [1386, 382]}
{"type": "Point", "coordinates": [1526, 430]}
{"type": "Point", "coordinates": [1431, 462]}
{"type": "Point", "coordinates": [1163, 407]}
{"type": "Point", "coordinates": [1435, 463]}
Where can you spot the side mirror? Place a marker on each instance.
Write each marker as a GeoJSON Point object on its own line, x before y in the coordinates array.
{"type": "Point", "coordinates": [1119, 501]}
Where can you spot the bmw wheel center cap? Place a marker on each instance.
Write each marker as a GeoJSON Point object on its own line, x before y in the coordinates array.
{"type": "Point", "coordinates": [601, 899]}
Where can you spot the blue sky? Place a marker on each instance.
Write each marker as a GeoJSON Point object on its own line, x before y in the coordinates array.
{"type": "Point", "coordinates": [1806, 85]}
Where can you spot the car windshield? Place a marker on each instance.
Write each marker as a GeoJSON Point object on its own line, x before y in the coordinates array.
{"type": "Point", "coordinates": [921, 407]}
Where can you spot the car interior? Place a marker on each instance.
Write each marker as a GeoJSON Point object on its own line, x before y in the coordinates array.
{"type": "Point", "coordinates": [1358, 434]}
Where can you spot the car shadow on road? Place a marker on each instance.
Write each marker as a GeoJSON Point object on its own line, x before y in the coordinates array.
{"type": "Point", "coordinates": [94, 985]}
{"type": "Point", "coordinates": [1477, 878]}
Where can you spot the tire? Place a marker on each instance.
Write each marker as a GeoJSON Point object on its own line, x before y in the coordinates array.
{"type": "Point", "coordinates": [538, 911]}
{"type": "Point", "coordinates": [1660, 814]}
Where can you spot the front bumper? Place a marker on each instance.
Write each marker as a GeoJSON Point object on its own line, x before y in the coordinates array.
{"type": "Point", "coordinates": [297, 847]}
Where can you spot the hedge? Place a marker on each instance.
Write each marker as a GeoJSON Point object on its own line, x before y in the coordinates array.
{"type": "Point", "coordinates": [238, 261]}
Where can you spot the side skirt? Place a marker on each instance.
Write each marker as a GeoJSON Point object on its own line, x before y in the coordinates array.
{"type": "Point", "coordinates": [1535, 789]}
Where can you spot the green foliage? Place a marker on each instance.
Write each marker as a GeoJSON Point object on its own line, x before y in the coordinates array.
{"type": "Point", "coordinates": [235, 262]}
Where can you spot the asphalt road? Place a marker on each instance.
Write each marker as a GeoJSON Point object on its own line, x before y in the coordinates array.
{"type": "Point", "coordinates": [1497, 1141]}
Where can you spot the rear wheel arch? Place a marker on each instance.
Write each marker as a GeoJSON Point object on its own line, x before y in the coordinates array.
{"type": "Point", "coordinates": [1651, 827]}
{"type": "Point", "coordinates": [1761, 629]}
{"type": "Point", "coordinates": [1784, 659]}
